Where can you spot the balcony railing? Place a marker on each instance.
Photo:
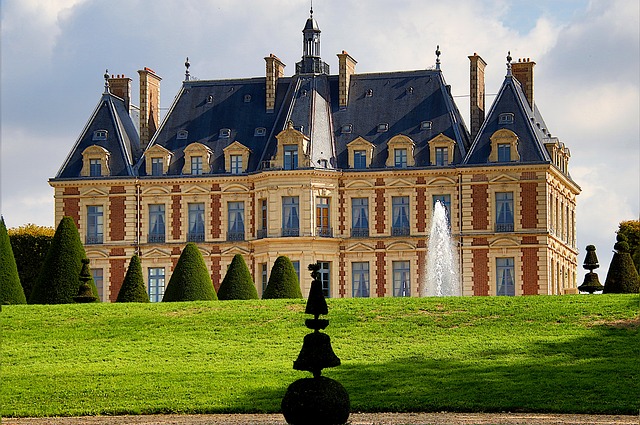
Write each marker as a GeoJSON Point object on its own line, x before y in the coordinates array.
{"type": "Point", "coordinates": [156, 238]}
{"type": "Point", "coordinates": [504, 227]}
{"type": "Point", "coordinates": [195, 237]}
{"type": "Point", "coordinates": [261, 233]}
{"type": "Point", "coordinates": [360, 232]}
{"type": "Point", "coordinates": [235, 236]}
{"type": "Point", "coordinates": [400, 231]}
{"type": "Point", "coordinates": [324, 232]}
{"type": "Point", "coordinates": [94, 239]}
{"type": "Point", "coordinates": [291, 231]}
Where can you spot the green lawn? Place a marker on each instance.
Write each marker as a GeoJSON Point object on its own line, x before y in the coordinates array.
{"type": "Point", "coordinates": [577, 354]}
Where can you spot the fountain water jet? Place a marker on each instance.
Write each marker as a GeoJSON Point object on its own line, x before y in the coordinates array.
{"type": "Point", "coordinates": [441, 277]}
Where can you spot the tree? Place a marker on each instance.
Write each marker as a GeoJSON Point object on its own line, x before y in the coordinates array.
{"type": "Point", "coordinates": [30, 245]}
{"type": "Point", "coordinates": [10, 289]}
{"type": "Point", "coordinates": [237, 283]}
{"type": "Point", "coordinates": [622, 277]}
{"type": "Point", "coordinates": [133, 289]}
{"type": "Point", "coordinates": [190, 280]}
{"type": "Point", "coordinates": [283, 281]}
{"type": "Point", "coordinates": [58, 281]}
{"type": "Point", "coordinates": [631, 230]}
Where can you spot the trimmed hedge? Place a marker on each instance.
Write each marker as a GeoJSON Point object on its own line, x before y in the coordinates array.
{"type": "Point", "coordinates": [30, 245]}
{"type": "Point", "coordinates": [59, 278]}
{"type": "Point", "coordinates": [237, 283]}
{"type": "Point", "coordinates": [283, 281]}
{"type": "Point", "coordinates": [622, 277]}
{"type": "Point", "coordinates": [190, 280]}
{"type": "Point", "coordinates": [133, 289]}
{"type": "Point", "coordinates": [10, 289]}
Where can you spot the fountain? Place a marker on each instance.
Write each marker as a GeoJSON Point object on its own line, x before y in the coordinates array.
{"type": "Point", "coordinates": [442, 277]}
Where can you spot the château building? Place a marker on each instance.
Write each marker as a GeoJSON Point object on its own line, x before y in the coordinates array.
{"type": "Point", "coordinates": [341, 168]}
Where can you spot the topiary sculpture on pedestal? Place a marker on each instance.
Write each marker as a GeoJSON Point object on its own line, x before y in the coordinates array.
{"type": "Point", "coordinates": [591, 282]}
{"type": "Point", "coordinates": [318, 400]}
{"type": "Point", "coordinates": [622, 277]}
{"type": "Point", "coordinates": [85, 294]}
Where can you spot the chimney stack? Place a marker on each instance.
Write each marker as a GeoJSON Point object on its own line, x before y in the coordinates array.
{"type": "Point", "coordinates": [523, 71]}
{"type": "Point", "coordinates": [347, 67]}
{"type": "Point", "coordinates": [149, 105]}
{"type": "Point", "coordinates": [120, 86]}
{"type": "Point", "coordinates": [476, 92]}
{"type": "Point", "coordinates": [275, 70]}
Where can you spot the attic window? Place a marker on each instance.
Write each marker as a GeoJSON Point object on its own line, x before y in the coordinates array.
{"type": "Point", "coordinates": [247, 98]}
{"type": "Point", "coordinates": [347, 128]}
{"type": "Point", "coordinates": [505, 118]}
{"type": "Point", "coordinates": [425, 125]}
{"type": "Point", "coordinates": [225, 133]}
{"type": "Point", "coordinates": [210, 98]}
{"type": "Point", "coordinates": [260, 131]}
{"type": "Point", "coordinates": [383, 127]}
{"type": "Point", "coordinates": [182, 135]}
{"type": "Point", "coordinates": [100, 135]}
{"type": "Point", "coordinates": [409, 90]}
{"type": "Point", "coordinates": [369, 93]}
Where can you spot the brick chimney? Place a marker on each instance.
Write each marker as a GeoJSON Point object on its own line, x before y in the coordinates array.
{"type": "Point", "coordinates": [149, 105]}
{"type": "Point", "coordinates": [523, 71]}
{"type": "Point", "coordinates": [275, 70]}
{"type": "Point", "coordinates": [476, 92]}
{"type": "Point", "coordinates": [120, 86]}
{"type": "Point", "coordinates": [347, 67]}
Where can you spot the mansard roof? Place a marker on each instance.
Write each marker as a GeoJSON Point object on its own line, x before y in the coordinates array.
{"type": "Point", "coordinates": [527, 123]}
{"type": "Point", "coordinates": [122, 140]}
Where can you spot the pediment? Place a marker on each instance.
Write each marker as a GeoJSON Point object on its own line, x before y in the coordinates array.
{"type": "Point", "coordinates": [401, 140]}
{"type": "Point", "coordinates": [359, 142]}
{"type": "Point", "coordinates": [442, 181]}
{"type": "Point", "coordinates": [441, 139]}
{"type": "Point", "coordinates": [357, 184]}
{"type": "Point", "coordinates": [400, 183]}
{"type": "Point", "coordinates": [195, 190]}
{"type": "Point", "coordinates": [157, 150]}
{"type": "Point", "coordinates": [93, 191]}
{"type": "Point", "coordinates": [400, 246]}
{"type": "Point", "coordinates": [95, 150]}
{"type": "Point", "coordinates": [235, 188]}
{"type": "Point", "coordinates": [504, 178]}
{"type": "Point", "coordinates": [197, 148]}
{"type": "Point", "coordinates": [96, 253]}
{"type": "Point", "coordinates": [156, 253]}
{"type": "Point", "coordinates": [233, 250]}
{"type": "Point", "coordinates": [236, 147]}
{"type": "Point", "coordinates": [156, 190]}
{"type": "Point", "coordinates": [360, 247]}
{"type": "Point", "coordinates": [504, 242]}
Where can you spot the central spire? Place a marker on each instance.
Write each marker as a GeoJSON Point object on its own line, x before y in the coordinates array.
{"type": "Point", "coordinates": [311, 62]}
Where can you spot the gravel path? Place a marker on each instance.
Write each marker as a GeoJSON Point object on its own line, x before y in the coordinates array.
{"type": "Point", "coordinates": [354, 419]}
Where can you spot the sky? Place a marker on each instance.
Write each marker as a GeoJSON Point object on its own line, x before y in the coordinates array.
{"type": "Point", "coordinates": [587, 75]}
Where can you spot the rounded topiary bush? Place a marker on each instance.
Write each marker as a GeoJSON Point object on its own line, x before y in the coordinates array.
{"type": "Point", "coordinates": [190, 280]}
{"type": "Point", "coordinates": [59, 278]}
{"type": "Point", "coordinates": [283, 281]}
{"type": "Point", "coordinates": [133, 289]}
{"type": "Point", "coordinates": [622, 277]}
{"type": "Point", "coordinates": [237, 283]}
{"type": "Point", "coordinates": [11, 291]}
{"type": "Point", "coordinates": [316, 401]}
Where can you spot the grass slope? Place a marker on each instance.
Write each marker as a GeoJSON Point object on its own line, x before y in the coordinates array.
{"type": "Point", "coordinates": [544, 354]}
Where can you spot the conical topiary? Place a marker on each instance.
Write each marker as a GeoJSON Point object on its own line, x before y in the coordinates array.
{"type": "Point", "coordinates": [58, 281]}
{"type": "Point", "coordinates": [591, 282]}
{"type": "Point", "coordinates": [622, 277]}
{"type": "Point", "coordinates": [237, 283]}
{"type": "Point", "coordinates": [11, 291]}
{"type": "Point", "coordinates": [133, 289]}
{"type": "Point", "coordinates": [190, 280]}
{"type": "Point", "coordinates": [283, 281]}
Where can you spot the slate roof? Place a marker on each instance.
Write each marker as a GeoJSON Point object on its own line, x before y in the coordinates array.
{"type": "Point", "coordinates": [123, 141]}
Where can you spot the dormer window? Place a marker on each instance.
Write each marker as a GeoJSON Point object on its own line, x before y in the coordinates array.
{"type": "Point", "coordinates": [196, 159]}
{"type": "Point", "coordinates": [157, 160]}
{"type": "Point", "coordinates": [95, 168]}
{"type": "Point", "coordinates": [504, 152]}
{"type": "Point", "coordinates": [182, 135]}
{"type": "Point", "coordinates": [247, 98]}
{"type": "Point", "coordinates": [236, 158]}
{"type": "Point", "coordinates": [441, 150]}
{"type": "Point", "coordinates": [369, 93]}
{"type": "Point", "coordinates": [400, 152]}
{"type": "Point", "coordinates": [504, 146]}
{"type": "Point", "coordinates": [360, 153]}
{"type": "Point", "coordinates": [100, 135]}
{"type": "Point", "coordinates": [210, 98]}
{"type": "Point", "coordinates": [506, 118]}
{"type": "Point", "coordinates": [225, 133]}
{"type": "Point", "coordinates": [157, 166]}
{"type": "Point", "coordinates": [425, 125]}
{"type": "Point", "coordinates": [196, 165]}
{"type": "Point", "coordinates": [95, 162]}
{"type": "Point", "coordinates": [383, 127]}
{"type": "Point", "coordinates": [347, 129]}
{"type": "Point", "coordinates": [409, 90]}
{"type": "Point", "coordinates": [260, 131]}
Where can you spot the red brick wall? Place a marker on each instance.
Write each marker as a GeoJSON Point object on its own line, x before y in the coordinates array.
{"type": "Point", "coordinates": [175, 256]}
{"type": "Point", "coordinates": [252, 215]}
{"type": "Point", "coordinates": [176, 202]}
{"type": "Point", "coordinates": [528, 205]}
{"type": "Point", "coordinates": [381, 272]}
{"type": "Point", "coordinates": [342, 210]}
{"type": "Point", "coordinates": [117, 214]}
{"type": "Point", "coordinates": [421, 209]}
{"type": "Point", "coordinates": [71, 206]}
{"type": "Point", "coordinates": [216, 275]}
{"type": "Point", "coordinates": [480, 206]}
{"type": "Point", "coordinates": [216, 211]}
{"type": "Point", "coordinates": [342, 274]}
{"type": "Point", "coordinates": [117, 267]}
{"type": "Point", "coordinates": [422, 263]}
{"type": "Point", "coordinates": [530, 276]}
{"type": "Point", "coordinates": [480, 263]}
{"type": "Point", "coordinates": [380, 208]}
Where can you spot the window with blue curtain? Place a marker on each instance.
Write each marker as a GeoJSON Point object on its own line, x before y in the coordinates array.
{"type": "Point", "coordinates": [95, 224]}
{"type": "Point", "coordinates": [290, 216]}
{"type": "Point", "coordinates": [360, 279]}
{"type": "Point", "coordinates": [156, 223]}
{"type": "Point", "coordinates": [196, 223]}
{"type": "Point", "coordinates": [505, 284]}
{"type": "Point", "coordinates": [236, 221]}
{"type": "Point", "coordinates": [360, 217]}
{"type": "Point", "coordinates": [504, 211]}
{"type": "Point", "coordinates": [400, 216]}
{"type": "Point", "coordinates": [401, 279]}
{"type": "Point", "coordinates": [156, 284]}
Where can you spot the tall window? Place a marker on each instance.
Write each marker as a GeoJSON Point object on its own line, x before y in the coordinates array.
{"type": "Point", "coordinates": [290, 216]}
{"type": "Point", "coordinates": [196, 165]}
{"type": "Point", "coordinates": [504, 211]}
{"type": "Point", "coordinates": [442, 156]}
{"type": "Point", "coordinates": [196, 223]}
{"type": "Point", "coordinates": [98, 279]}
{"type": "Point", "coordinates": [505, 279]}
{"type": "Point", "coordinates": [323, 225]}
{"type": "Point", "coordinates": [157, 166]}
{"type": "Point", "coordinates": [400, 216]}
{"type": "Point", "coordinates": [95, 224]}
{"type": "Point", "coordinates": [236, 164]}
{"type": "Point", "coordinates": [325, 278]}
{"type": "Point", "coordinates": [400, 158]}
{"type": "Point", "coordinates": [264, 276]}
{"type": "Point", "coordinates": [359, 159]}
{"type": "Point", "coordinates": [401, 279]}
{"type": "Point", "coordinates": [504, 152]}
{"type": "Point", "coordinates": [156, 223]}
{"type": "Point", "coordinates": [95, 168]}
{"type": "Point", "coordinates": [236, 221]}
{"type": "Point", "coordinates": [156, 284]}
{"type": "Point", "coordinates": [360, 217]}
{"type": "Point", "coordinates": [445, 200]}
{"type": "Point", "coordinates": [263, 224]}
{"type": "Point", "coordinates": [290, 157]}
{"type": "Point", "coordinates": [296, 267]}
{"type": "Point", "coordinates": [360, 279]}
